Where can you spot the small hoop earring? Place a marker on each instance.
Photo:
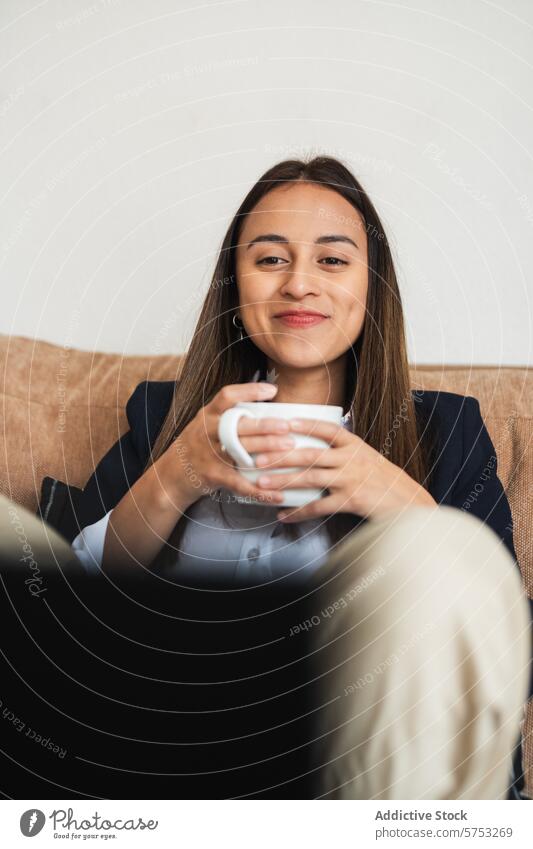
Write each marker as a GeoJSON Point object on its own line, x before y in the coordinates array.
{"type": "Point", "coordinates": [238, 326]}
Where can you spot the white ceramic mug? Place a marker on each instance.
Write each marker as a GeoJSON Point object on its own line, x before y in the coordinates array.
{"type": "Point", "coordinates": [229, 438]}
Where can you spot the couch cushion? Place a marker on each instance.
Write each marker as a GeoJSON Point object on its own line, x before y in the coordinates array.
{"type": "Point", "coordinates": [505, 396]}
{"type": "Point", "coordinates": [63, 409]}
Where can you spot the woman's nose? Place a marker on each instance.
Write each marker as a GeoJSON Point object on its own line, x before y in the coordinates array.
{"type": "Point", "coordinates": [300, 281]}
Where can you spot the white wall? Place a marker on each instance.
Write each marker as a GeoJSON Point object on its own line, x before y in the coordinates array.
{"type": "Point", "coordinates": [132, 130]}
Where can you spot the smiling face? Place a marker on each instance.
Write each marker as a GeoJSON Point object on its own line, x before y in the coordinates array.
{"type": "Point", "coordinates": [302, 247]}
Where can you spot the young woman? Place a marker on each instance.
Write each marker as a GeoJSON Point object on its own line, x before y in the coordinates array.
{"type": "Point", "coordinates": [304, 296]}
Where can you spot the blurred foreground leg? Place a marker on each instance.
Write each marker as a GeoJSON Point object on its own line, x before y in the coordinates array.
{"type": "Point", "coordinates": [31, 547]}
{"type": "Point", "coordinates": [424, 649]}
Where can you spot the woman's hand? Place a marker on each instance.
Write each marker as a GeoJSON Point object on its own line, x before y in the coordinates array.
{"type": "Point", "coordinates": [195, 465]}
{"type": "Point", "coordinates": [360, 480]}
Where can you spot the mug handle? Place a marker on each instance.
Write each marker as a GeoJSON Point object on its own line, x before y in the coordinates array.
{"type": "Point", "coordinates": [228, 436]}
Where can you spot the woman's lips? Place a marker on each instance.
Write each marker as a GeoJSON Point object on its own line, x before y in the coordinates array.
{"type": "Point", "coordinates": [306, 320]}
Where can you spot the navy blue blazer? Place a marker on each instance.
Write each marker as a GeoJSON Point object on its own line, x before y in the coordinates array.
{"type": "Point", "coordinates": [464, 466]}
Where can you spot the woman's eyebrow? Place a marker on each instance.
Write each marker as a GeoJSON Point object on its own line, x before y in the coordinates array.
{"type": "Point", "coordinates": [325, 240]}
{"type": "Point", "coordinates": [322, 240]}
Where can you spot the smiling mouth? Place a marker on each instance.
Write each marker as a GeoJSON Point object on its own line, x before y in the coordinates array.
{"type": "Point", "coordinates": [300, 320]}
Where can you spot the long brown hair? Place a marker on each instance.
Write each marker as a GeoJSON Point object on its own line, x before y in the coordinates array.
{"type": "Point", "coordinates": [377, 390]}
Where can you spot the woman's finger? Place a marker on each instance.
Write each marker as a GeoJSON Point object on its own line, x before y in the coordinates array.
{"type": "Point", "coordinates": [336, 435]}
{"type": "Point", "coordinates": [270, 443]}
{"type": "Point", "coordinates": [232, 393]}
{"type": "Point", "coordinates": [303, 479]}
{"type": "Point", "coordinates": [250, 430]}
{"type": "Point", "coordinates": [249, 426]}
{"type": "Point", "coordinates": [322, 457]}
{"type": "Point", "coordinates": [237, 483]}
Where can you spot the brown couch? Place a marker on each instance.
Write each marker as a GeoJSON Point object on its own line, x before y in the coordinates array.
{"type": "Point", "coordinates": [64, 408]}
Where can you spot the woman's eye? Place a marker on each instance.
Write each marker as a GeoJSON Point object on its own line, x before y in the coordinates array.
{"type": "Point", "coordinates": [264, 260]}
{"type": "Point", "coordinates": [336, 259]}
{"type": "Point", "coordinates": [277, 260]}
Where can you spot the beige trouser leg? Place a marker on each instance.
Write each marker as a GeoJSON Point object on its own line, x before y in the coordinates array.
{"type": "Point", "coordinates": [424, 647]}
{"type": "Point", "coordinates": [31, 547]}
